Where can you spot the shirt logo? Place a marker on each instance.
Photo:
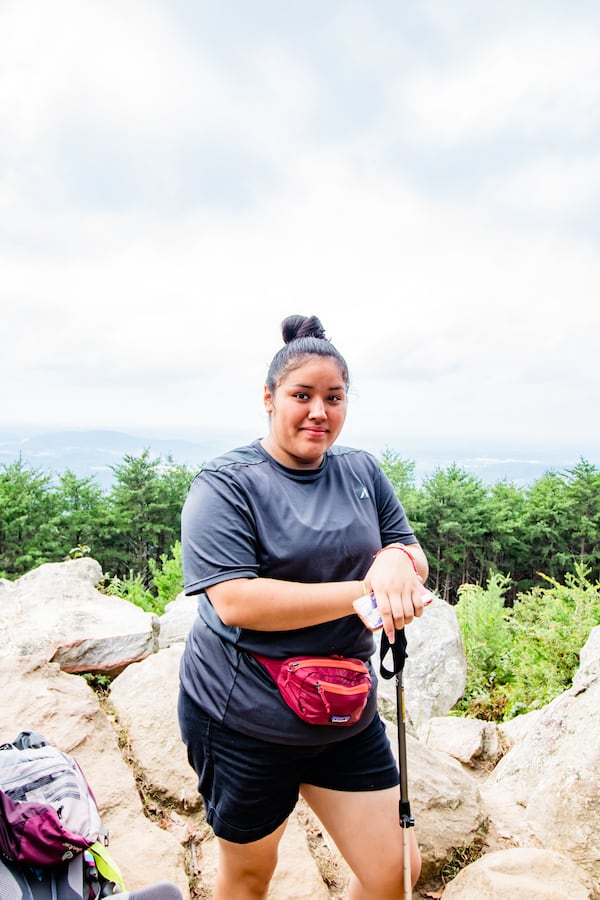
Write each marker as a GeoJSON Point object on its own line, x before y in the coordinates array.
{"type": "Point", "coordinates": [362, 493]}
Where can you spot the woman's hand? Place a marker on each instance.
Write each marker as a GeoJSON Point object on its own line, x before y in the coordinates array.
{"type": "Point", "coordinates": [396, 579]}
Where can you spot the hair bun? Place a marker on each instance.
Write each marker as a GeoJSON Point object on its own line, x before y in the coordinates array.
{"type": "Point", "coordinates": [295, 327]}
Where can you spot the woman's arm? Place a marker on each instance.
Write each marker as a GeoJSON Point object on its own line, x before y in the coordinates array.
{"type": "Point", "coordinates": [269, 604]}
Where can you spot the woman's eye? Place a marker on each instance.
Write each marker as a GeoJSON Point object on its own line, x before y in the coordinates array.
{"type": "Point", "coordinates": [333, 398]}
{"type": "Point", "coordinates": [300, 395]}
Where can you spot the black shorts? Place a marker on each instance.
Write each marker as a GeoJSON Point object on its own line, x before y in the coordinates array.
{"type": "Point", "coordinates": [250, 787]}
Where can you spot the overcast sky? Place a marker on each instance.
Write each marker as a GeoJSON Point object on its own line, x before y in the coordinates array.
{"type": "Point", "coordinates": [177, 176]}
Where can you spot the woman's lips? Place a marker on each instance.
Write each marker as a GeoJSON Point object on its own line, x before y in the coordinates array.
{"type": "Point", "coordinates": [317, 432]}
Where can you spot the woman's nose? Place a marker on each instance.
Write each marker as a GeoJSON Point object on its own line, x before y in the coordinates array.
{"type": "Point", "coordinates": [317, 409]}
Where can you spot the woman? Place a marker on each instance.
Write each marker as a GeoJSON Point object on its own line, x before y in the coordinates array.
{"type": "Point", "coordinates": [279, 538]}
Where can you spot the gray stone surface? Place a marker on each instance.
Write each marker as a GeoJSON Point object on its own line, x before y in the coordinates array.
{"type": "Point", "coordinates": [521, 874]}
{"type": "Point", "coordinates": [541, 798]}
{"type": "Point", "coordinates": [56, 612]}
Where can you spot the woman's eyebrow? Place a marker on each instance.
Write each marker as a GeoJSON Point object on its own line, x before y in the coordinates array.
{"type": "Point", "coordinates": [336, 387]}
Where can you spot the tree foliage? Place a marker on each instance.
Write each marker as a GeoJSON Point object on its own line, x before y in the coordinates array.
{"type": "Point", "coordinates": [79, 504]}
{"type": "Point", "coordinates": [129, 529]}
{"type": "Point", "coordinates": [28, 519]}
{"type": "Point", "coordinates": [466, 528]}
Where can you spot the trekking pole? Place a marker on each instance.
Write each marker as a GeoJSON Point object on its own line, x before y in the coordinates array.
{"type": "Point", "coordinates": [407, 821]}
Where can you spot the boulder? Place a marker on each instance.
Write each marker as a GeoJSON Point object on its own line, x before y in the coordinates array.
{"type": "Point", "coordinates": [145, 699]}
{"type": "Point", "coordinates": [589, 658]}
{"type": "Point", "coordinates": [521, 874]}
{"type": "Point", "coordinates": [470, 741]}
{"type": "Point", "coordinates": [65, 710]}
{"type": "Point", "coordinates": [177, 620]}
{"type": "Point", "coordinates": [445, 802]}
{"type": "Point", "coordinates": [435, 671]}
{"type": "Point", "coordinates": [55, 611]}
{"type": "Point", "coordinates": [516, 729]}
{"type": "Point", "coordinates": [544, 792]}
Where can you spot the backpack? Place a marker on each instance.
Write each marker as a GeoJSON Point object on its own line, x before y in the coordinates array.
{"type": "Point", "coordinates": [49, 816]}
{"type": "Point", "coordinates": [72, 880]}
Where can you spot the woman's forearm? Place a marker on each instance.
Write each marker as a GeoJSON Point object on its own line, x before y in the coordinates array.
{"type": "Point", "coordinates": [268, 604]}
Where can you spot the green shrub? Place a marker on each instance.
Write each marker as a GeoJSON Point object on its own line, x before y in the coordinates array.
{"type": "Point", "coordinates": [482, 618]}
{"type": "Point", "coordinates": [520, 658]}
{"type": "Point", "coordinates": [168, 577]}
{"type": "Point", "coordinates": [549, 627]}
{"type": "Point", "coordinates": [133, 589]}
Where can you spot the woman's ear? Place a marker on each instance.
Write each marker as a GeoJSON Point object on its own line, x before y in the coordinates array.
{"type": "Point", "coordinates": [268, 400]}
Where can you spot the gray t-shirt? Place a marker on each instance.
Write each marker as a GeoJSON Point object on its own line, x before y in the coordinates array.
{"type": "Point", "coordinates": [247, 516]}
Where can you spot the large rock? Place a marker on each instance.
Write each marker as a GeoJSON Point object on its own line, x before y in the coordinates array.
{"type": "Point", "coordinates": [544, 792]}
{"type": "Point", "coordinates": [521, 874]}
{"type": "Point", "coordinates": [56, 612]}
{"type": "Point", "coordinates": [445, 802]}
{"type": "Point", "coordinates": [177, 620]}
{"type": "Point", "coordinates": [145, 699]}
{"type": "Point", "coordinates": [435, 671]}
{"type": "Point", "coordinates": [67, 713]}
{"type": "Point", "coordinates": [589, 658]}
{"type": "Point", "coordinates": [470, 741]}
{"type": "Point", "coordinates": [516, 729]}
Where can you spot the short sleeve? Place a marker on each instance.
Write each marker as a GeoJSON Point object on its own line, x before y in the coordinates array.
{"type": "Point", "coordinates": [218, 535]}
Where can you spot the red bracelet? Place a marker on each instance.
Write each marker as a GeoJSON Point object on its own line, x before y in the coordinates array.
{"type": "Point", "coordinates": [403, 549]}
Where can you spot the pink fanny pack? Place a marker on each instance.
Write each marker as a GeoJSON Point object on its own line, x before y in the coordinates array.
{"type": "Point", "coordinates": [321, 690]}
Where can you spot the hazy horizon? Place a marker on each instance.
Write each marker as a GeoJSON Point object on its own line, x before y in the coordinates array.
{"type": "Point", "coordinates": [94, 451]}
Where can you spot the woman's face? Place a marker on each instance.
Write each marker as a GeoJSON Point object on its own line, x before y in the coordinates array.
{"type": "Point", "coordinates": [307, 411]}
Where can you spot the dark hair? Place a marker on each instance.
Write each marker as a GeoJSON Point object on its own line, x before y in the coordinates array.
{"type": "Point", "coordinates": [304, 337]}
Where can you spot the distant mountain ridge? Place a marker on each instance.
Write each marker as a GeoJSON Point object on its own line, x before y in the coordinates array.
{"type": "Point", "coordinates": [94, 452]}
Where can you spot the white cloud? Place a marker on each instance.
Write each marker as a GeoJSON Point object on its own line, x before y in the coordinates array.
{"type": "Point", "coordinates": [453, 312]}
{"type": "Point", "coordinates": [120, 65]}
{"type": "Point", "coordinates": [455, 318]}
{"type": "Point", "coordinates": [540, 80]}
{"type": "Point", "coordinates": [549, 186]}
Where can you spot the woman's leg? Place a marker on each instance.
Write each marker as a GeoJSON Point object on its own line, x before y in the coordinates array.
{"type": "Point", "coordinates": [245, 870]}
{"type": "Point", "coordinates": [366, 829]}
